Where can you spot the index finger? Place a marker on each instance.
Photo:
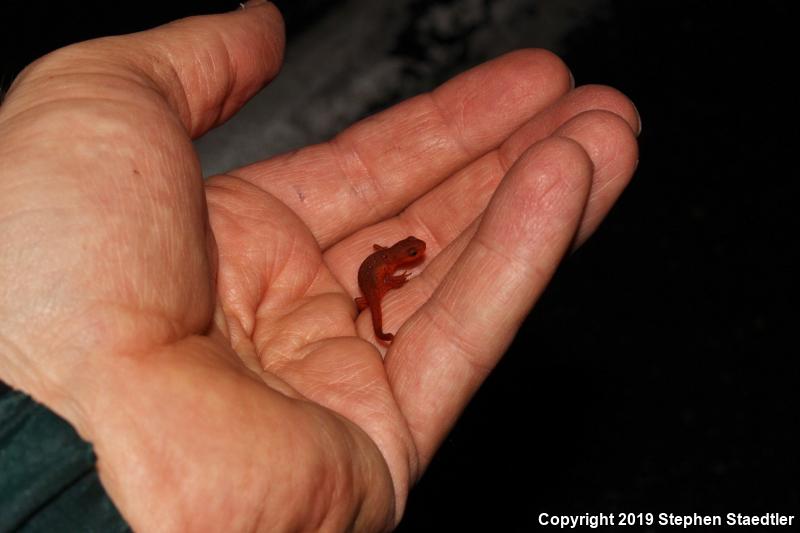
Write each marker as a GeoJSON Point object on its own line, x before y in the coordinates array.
{"type": "Point", "coordinates": [378, 166]}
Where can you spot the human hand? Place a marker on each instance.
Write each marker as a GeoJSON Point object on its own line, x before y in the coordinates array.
{"type": "Point", "coordinates": [202, 335]}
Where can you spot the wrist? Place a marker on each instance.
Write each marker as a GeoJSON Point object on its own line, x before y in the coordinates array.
{"type": "Point", "coordinates": [50, 387]}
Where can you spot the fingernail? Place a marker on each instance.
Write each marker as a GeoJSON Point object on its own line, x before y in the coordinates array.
{"type": "Point", "coordinates": [638, 120]}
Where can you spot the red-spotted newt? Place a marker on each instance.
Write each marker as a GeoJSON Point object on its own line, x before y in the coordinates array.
{"type": "Point", "coordinates": [376, 277]}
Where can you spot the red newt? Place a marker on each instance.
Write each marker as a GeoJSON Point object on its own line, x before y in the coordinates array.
{"type": "Point", "coordinates": [376, 277]}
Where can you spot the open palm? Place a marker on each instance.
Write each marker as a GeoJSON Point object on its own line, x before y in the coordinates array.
{"type": "Point", "coordinates": [203, 336]}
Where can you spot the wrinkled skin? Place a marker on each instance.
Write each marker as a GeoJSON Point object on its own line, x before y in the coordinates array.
{"type": "Point", "coordinates": [203, 335]}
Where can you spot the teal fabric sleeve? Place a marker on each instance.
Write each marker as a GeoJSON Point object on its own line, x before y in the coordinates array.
{"type": "Point", "coordinates": [48, 478]}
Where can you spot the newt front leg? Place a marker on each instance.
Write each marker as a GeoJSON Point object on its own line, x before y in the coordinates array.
{"type": "Point", "coordinates": [395, 282]}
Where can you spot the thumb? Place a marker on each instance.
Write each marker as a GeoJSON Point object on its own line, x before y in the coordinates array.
{"type": "Point", "coordinates": [204, 67]}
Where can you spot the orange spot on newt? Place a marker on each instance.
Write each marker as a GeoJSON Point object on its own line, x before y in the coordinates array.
{"type": "Point", "coordinates": [376, 277]}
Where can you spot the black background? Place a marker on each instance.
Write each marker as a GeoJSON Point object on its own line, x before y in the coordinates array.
{"type": "Point", "coordinates": [659, 371]}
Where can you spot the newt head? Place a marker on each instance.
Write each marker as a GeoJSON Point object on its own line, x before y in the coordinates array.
{"type": "Point", "coordinates": [409, 250]}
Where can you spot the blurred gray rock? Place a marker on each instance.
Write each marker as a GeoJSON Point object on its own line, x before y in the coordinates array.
{"type": "Point", "coordinates": [361, 56]}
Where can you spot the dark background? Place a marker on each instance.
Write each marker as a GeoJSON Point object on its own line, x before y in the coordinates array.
{"type": "Point", "coordinates": [659, 371]}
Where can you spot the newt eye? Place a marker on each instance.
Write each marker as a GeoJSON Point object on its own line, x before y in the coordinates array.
{"type": "Point", "coordinates": [412, 252]}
